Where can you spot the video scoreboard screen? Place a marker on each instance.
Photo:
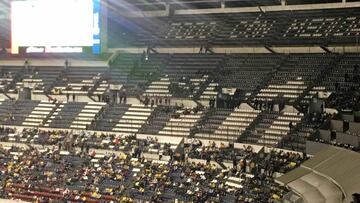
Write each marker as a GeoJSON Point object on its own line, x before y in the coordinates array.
{"type": "Point", "coordinates": [4, 24]}
{"type": "Point", "coordinates": [50, 26]}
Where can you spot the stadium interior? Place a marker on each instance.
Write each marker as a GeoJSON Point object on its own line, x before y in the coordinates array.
{"type": "Point", "coordinates": [254, 101]}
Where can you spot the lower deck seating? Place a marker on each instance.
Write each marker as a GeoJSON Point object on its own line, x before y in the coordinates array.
{"type": "Point", "coordinates": [234, 124]}
{"type": "Point", "coordinates": [5, 111]}
{"type": "Point", "coordinates": [136, 71]}
{"type": "Point", "coordinates": [102, 88]}
{"type": "Point", "coordinates": [121, 67]}
{"type": "Point", "coordinates": [210, 92]}
{"type": "Point", "coordinates": [298, 72]}
{"type": "Point", "coordinates": [104, 177]}
{"type": "Point", "coordinates": [290, 76]}
{"type": "Point", "coordinates": [65, 114]}
{"type": "Point", "coordinates": [111, 117]}
{"type": "Point", "coordinates": [341, 76]}
{"type": "Point", "coordinates": [133, 119]}
{"type": "Point", "coordinates": [41, 79]}
{"type": "Point", "coordinates": [291, 90]}
{"type": "Point", "coordinates": [182, 123]}
{"type": "Point", "coordinates": [159, 88]}
{"type": "Point", "coordinates": [79, 80]}
{"type": "Point", "coordinates": [274, 127]}
{"type": "Point", "coordinates": [48, 75]}
{"type": "Point", "coordinates": [9, 76]}
{"type": "Point", "coordinates": [158, 120]}
{"type": "Point", "coordinates": [18, 111]}
{"type": "Point", "coordinates": [40, 113]}
{"type": "Point", "coordinates": [214, 119]}
{"type": "Point", "coordinates": [87, 115]}
{"type": "Point", "coordinates": [248, 72]}
{"type": "Point", "coordinates": [192, 65]}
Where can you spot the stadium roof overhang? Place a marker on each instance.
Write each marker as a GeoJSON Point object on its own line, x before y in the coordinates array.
{"type": "Point", "coordinates": [332, 175]}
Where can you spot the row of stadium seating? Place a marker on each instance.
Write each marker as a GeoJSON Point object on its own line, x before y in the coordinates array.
{"type": "Point", "coordinates": [199, 76]}
{"type": "Point", "coordinates": [226, 124]}
{"type": "Point", "coordinates": [263, 76]}
{"type": "Point", "coordinates": [129, 119]}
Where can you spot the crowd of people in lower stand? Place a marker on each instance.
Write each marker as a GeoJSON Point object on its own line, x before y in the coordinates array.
{"type": "Point", "coordinates": [59, 173]}
{"type": "Point", "coordinates": [84, 140]}
{"type": "Point", "coordinates": [274, 161]}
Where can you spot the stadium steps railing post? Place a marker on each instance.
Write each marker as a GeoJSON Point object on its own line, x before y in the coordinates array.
{"type": "Point", "coordinates": [48, 116]}
{"type": "Point", "coordinates": [6, 95]}
{"type": "Point", "coordinates": [248, 131]}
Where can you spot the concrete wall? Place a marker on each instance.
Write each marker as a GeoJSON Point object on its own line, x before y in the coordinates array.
{"type": "Point", "coordinates": [78, 98]}
{"type": "Point", "coordinates": [269, 149]}
{"type": "Point", "coordinates": [314, 147]}
{"type": "Point", "coordinates": [336, 125]}
{"type": "Point", "coordinates": [15, 96]}
{"type": "Point", "coordinates": [282, 7]}
{"type": "Point", "coordinates": [348, 117]}
{"type": "Point", "coordinates": [325, 135]}
{"type": "Point", "coordinates": [256, 148]}
{"type": "Point", "coordinates": [146, 13]}
{"type": "Point", "coordinates": [343, 138]}
{"type": "Point", "coordinates": [229, 50]}
{"type": "Point", "coordinates": [183, 101]}
{"type": "Point", "coordinates": [354, 127]}
{"type": "Point", "coordinates": [348, 139]}
{"type": "Point", "coordinates": [54, 62]}
{"type": "Point", "coordinates": [269, 8]}
{"type": "Point", "coordinates": [344, 49]}
{"type": "Point", "coordinates": [11, 201]}
{"type": "Point", "coordinates": [161, 139]}
{"type": "Point", "coordinates": [290, 108]}
{"type": "Point", "coordinates": [207, 142]}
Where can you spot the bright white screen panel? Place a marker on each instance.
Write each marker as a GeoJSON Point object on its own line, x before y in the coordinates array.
{"type": "Point", "coordinates": [52, 23]}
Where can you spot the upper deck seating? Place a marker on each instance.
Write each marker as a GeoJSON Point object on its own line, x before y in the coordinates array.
{"type": "Point", "coordinates": [306, 27]}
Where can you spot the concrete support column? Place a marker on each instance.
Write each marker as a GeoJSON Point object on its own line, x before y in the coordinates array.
{"type": "Point", "coordinates": [104, 26]}
{"type": "Point", "coordinates": [344, 1]}
{"type": "Point", "coordinates": [283, 2]}
{"type": "Point", "coordinates": [222, 3]}
{"type": "Point", "coordinates": [167, 9]}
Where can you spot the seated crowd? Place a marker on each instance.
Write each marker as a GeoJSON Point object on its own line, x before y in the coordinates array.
{"type": "Point", "coordinates": [275, 161]}
{"type": "Point", "coordinates": [50, 174]}
{"type": "Point", "coordinates": [69, 140]}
